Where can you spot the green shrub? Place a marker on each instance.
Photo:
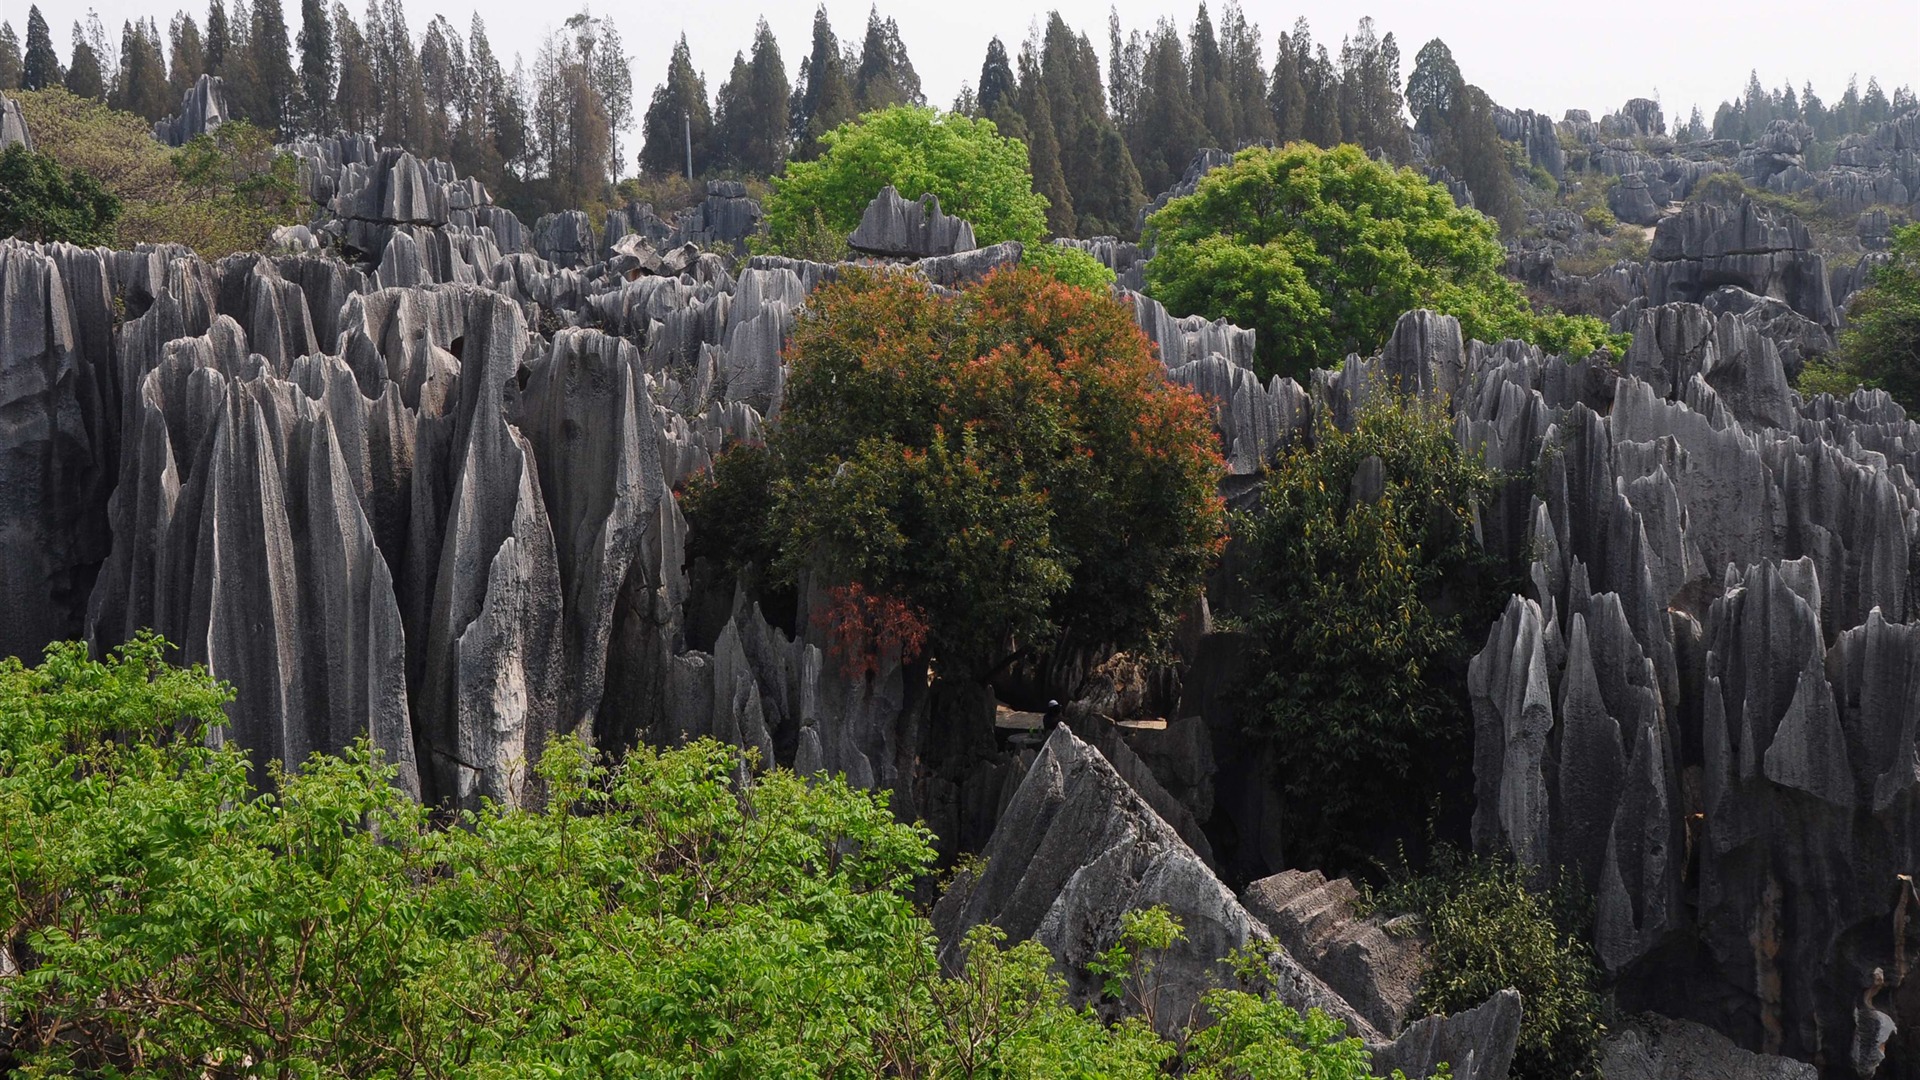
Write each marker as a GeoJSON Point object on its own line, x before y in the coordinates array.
{"type": "Point", "coordinates": [1351, 640]}
{"type": "Point", "coordinates": [977, 174]}
{"type": "Point", "coordinates": [1821, 376]}
{"type": "Point", "coordinates": [39, 200]}
{"type": "Point", "coordinates": [1881, 344]}
{"type": "Point", "coordinates": [659, 917]}
{"type": "Point", "coordinates": [224, 192]}
{"type": "Point", "coordinates": [1490, 931]}
{"type": "Point", "coordinates": [1070, 266]}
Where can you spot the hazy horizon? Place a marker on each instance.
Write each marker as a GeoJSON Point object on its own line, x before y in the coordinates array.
{"type": "Point", "coordinates": [1525, 56]}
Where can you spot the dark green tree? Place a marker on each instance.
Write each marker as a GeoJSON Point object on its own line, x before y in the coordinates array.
{"type": "Point", "coordinates": [41, 67]}
{"type": "Point", "coordinates": [1468, 143]}
{"type": "Point", "coordinates": [143, 88]}
{"type": "Point", "coordinates": [1433, 86]}
{"type": "Point", "coordinates": [997, 86]}
{"type": "Point", "coordinates": [219, 38]}
{"type": "Point", "coordinates": [356, 101]}
{"type": "Point", "coordinates": [1208, 73]}
{"type": "Point", "coordinates": [186, 55]}
{"type": "Point", "coordinates": [1168, 128]}
{"type": "Point", "coordinates": [678, 103]}
{"type": "Point", "coordinates": [440, 72]}
{"type": "Point", "coordinates": [1104, 189]}
{"type": "Point", "coordinates": [1370, 100]}
{"type": "Point", "coordinates": [9, 57]}
{"type": "Point", "coordinates": [750, 121]}
{"type": "Point", "coordinates": [1043, 147]}
{"type": "Point", "coordinates": [83, 74]}
{"type": "Point", "coordinates": [316, 66]}
{"type": "Point", "coordinates": [1246, 77]}
{"type": "Point", "coordinates": [1287, 91]}
{"type": "Point", "coordinates": [823, 94]}
{"type": "Point", "coordinates": [41, 201]}
{"type": "Point", "coordinates": [885, 76]}
{"type": "Point", "coordinates": [1349, 630]}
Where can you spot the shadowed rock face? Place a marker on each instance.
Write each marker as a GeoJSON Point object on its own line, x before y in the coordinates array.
{"type": "Point", "coordinates": [895, 228]}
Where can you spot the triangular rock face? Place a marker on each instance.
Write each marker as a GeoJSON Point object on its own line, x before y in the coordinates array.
{"type": "Point", "coordinates": [202, 108]}
{"type": "Point", "coordinates": [1077, 848]}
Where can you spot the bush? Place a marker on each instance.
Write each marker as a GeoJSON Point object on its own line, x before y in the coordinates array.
{"type": "Point", "coordinates": [1070, 266]}
{"type": "Point", "coordinates": [224, 192]}
{"type": "Point", "coordinates": [41, 201]}
{"type": "Point", "coordinates": [1010, 463]}
{"type": "Point", "coordinates": [1490, 931]}
{"type": "Point", "coordinates": [1357, 608]}
{"type": "Point", "coordinates": [1321, 251]}
{"type": "Point", "coordinates": [977, 174]}
{"type": "Point", "coordinates": [1820, 376]}
{"type": "Point", "coordinates": [662, 917]}
{"type": "Point", "coordinates": [1881, 344]}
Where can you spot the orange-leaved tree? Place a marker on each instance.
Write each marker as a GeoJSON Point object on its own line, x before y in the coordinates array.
{"type": "Point", "coordinates": [1000, 468]}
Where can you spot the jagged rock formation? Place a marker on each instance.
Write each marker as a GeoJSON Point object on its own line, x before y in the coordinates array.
{"type": "Point", "coordinates": [1537, 135]}
{"type": "Point", "coordinates": [894, 228]}
{"type": "Point", "coordinates": [13, 126]}
{"type": "Point", "coordinates": [202, 108]}
{"type": "Point", "coordinates": [726, 217]}
{"type": "Point", "coordinates": [1373, 965]}
{"type": "Point", "coordinates": [1709, 245]}
{"type": "Point", "coordinates": [1077, 847]}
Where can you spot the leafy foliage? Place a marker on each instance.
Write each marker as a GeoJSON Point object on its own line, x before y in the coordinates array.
{"type": "Point", "coordinates": [661, 917]}
{"type": "Point", "coordinates": [39, 200]}
{"type": "Point", "coordinates": [1491, 931]}
{"type": "Point", "coordinates": [1362, 566]}
{"type": "Point", "coordinates": [977, 174]}
{"type": "Point", "coordinates": [1881, 344]}
{"type": "Point", "coordinates": [1070, 266]}
{"type": "Point", "coordinates": [224, 192]}
{"type": "Point", "coordinates": [1009, 462]}
{"type": "Point", "coordinates": [1321, 251]}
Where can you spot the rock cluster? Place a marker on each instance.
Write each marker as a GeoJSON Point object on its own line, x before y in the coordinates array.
{"type": "Point", "coordinates": [202, 108]}
{"type": "Point", "coordinates": [894, 228]}
{"type": "Point", "coordinates": [1077, 847]}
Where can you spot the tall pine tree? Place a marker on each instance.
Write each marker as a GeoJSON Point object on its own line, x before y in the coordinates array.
{"type": "Point", "coordinates": [83, 74]}
{"type": "Point", "coordinates": [1167, 129]}
{"type": "Point", "coordinates": [186, 56]}
{"type": "Point", "coordinates": [1246, 77]}
{"type": "Point", "coordinates": [41, 67]}
{"type": "Point", "coordinates": [1043, 146]}
{"type": "Point", "coordinates": [997, 87]}
{"type": "Point", "coordinates": [885, 77]}
{"type": "Point", "coordinates": [356, 101]}
{"type": "Point", "coordinates": [219, 38]}
{"type": "Point", "coordinates": [142, 87]}
{"type": "Point", "coordinates": [678, 110]}
{"type": "Point", "coordinates": [9, 57]}
{"type": "Point", "coordinates": [823, 94]}
{"type": "Point", "coordinates": [753, 106]}
{"type": "Point", "coordinates": [316, 67]}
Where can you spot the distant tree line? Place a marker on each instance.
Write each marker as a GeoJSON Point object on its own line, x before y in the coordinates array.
{"type": "Point", "coordinates": [1746, 117]}
{"type": "Point", "coordinates": [1102, 133]}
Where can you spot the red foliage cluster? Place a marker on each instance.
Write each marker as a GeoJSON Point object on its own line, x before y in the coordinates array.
{"type": "Point", "coordinates": [863, 627]}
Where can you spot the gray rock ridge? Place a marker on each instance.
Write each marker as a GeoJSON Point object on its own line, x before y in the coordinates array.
{"type": "Point", "coordinates": [1697, 708]}
{"type": "Point", "coordinates": [1078, 847]}
{"type": "Point", "coordinates": [13, 126]}
{"type": "Point", "coordinates": [202, 108]}
{"type": "Point", "coordinates": [1374, 966]}
{"type": "Point", "coordinates": [892, 227]}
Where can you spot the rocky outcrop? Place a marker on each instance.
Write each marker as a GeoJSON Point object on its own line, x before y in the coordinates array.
{"type": "Point", "coordinates": [13, 126]}
{"type": "Point", "coordinates": [1765, 252]}
{"type": "Point", "coordinates": [1077, 847]}
{"type": "Point", "coordinates": [1372, 963]}
{"type": "Point", "coordinates": [895, 228]}
{"type": "Point", "coordinates": [203, 108]}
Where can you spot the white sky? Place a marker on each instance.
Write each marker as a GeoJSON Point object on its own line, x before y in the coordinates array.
{"type": "Point", "coordinates": [1548, 55]}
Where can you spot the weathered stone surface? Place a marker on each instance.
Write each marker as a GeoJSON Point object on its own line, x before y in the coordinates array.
{"type": "Point", "coordinates": [203, 108]}
{"type": "Point", "coordinates": [1375, 968]}
{"type": "Point", "coordinates": [1477, 1044]}
{"type": "Point", "coordinates": [13, 126]}
{"type": "Point", "coordinates": [892, 227]}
